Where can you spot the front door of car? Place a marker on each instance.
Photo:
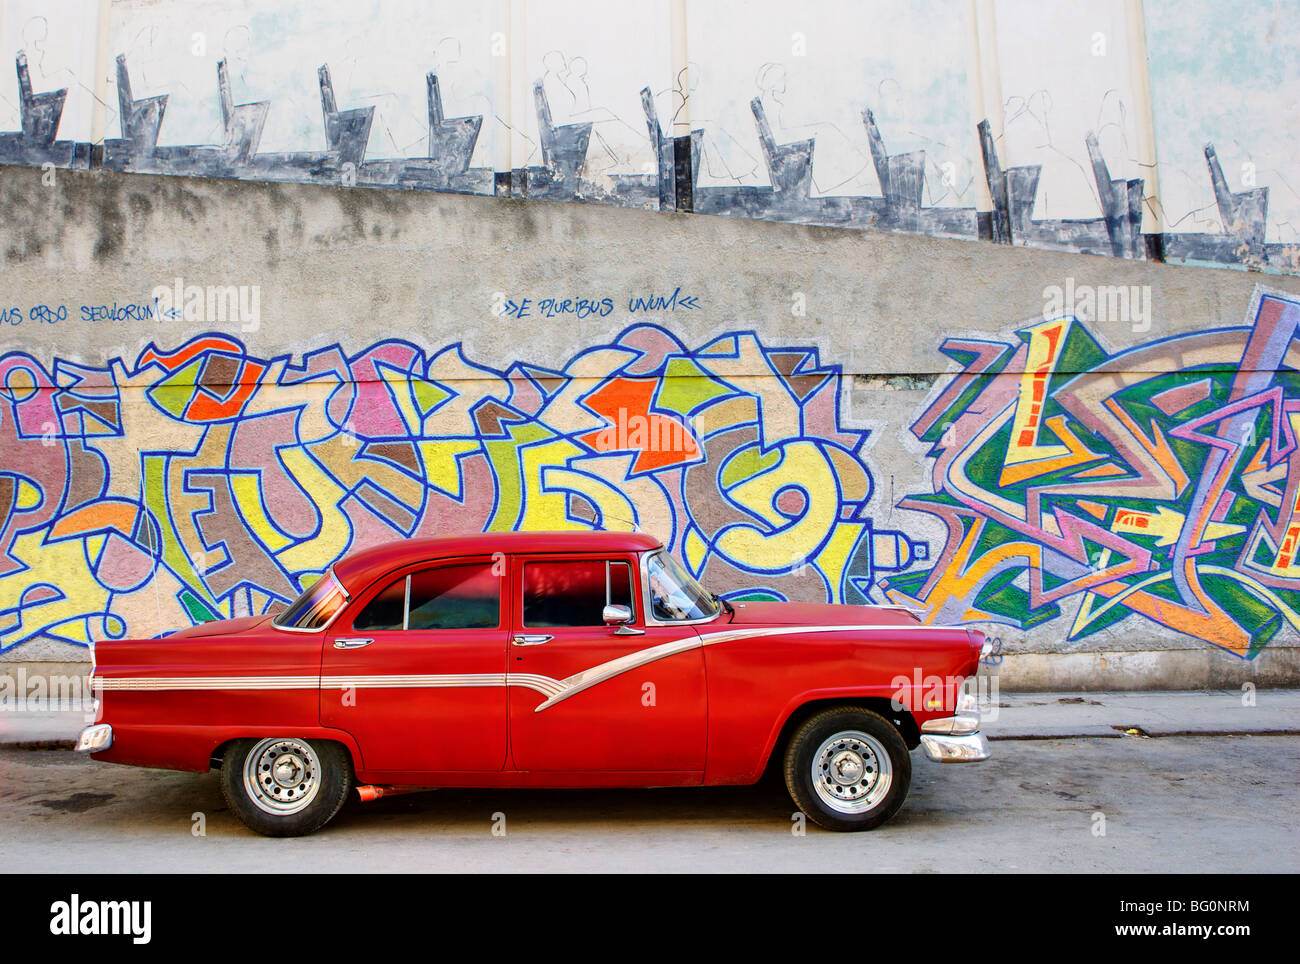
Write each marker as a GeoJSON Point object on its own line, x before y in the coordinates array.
{"type": "Point", "coordinates": [414, 668]}
{"type": "Point", "coordinates": [589, 696]}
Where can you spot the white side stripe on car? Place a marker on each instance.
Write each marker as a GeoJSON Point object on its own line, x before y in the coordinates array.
{"type": "Point", "coordinates": [205, 682]}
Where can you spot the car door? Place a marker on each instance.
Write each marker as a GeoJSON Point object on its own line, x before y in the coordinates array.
{"type": "Point", "coordinates": [414, 669]}
{"type": "Point", "coordinates": [587, 696]}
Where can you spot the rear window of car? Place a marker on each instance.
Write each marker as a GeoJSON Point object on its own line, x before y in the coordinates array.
{"type": "Point", "coordinates": [575, 592]}
{"type": "Point", "coordinates": [443, 597]}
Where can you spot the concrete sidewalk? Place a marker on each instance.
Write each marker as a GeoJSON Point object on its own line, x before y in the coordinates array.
{"type": "Point", "coordinates": [1017, 716]}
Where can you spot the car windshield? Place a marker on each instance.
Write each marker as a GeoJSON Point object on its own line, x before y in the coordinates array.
{"type": "Point", "coordinates": [316, 607]}
{"type": "Point", "coordinates": [674, 593]}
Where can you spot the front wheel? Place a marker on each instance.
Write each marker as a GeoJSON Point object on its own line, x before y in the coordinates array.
{"type": "Point", "coordinates": [285, 786]}
{"type": "Point", "coordinates": [847, 769]}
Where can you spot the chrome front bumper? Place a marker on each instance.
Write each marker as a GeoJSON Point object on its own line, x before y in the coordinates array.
{"type": "Point", "coordinates": [957, 738]}
{"type": "Point", "coordinates": [970, 748]}
{"type": "Point", "coordinates": [95, 738]}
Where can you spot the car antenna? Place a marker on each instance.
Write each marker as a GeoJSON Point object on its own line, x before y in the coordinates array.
{"type": "Point", "coordinates": [635, 526]}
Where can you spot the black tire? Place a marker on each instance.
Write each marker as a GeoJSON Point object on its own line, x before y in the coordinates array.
{"type": "Point", "coordinates": [857, 741]}
{"type": "Point", "coordinates": [280, 809]}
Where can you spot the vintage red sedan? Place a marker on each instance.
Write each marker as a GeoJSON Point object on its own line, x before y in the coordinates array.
{"type": "Point", "coordinates": [538, 659]}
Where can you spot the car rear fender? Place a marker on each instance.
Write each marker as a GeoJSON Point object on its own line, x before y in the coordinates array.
{"type": "Point", "coordinates": [198, 748]}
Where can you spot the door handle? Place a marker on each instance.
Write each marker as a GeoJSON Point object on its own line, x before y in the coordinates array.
{"type": "Point", "coordinates": [351, 643]}
{"type": "Point", "coordinates": [536, 640]}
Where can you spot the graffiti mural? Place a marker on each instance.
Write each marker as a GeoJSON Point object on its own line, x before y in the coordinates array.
{"type": "Point", "coordinates": [202, 482]}
{"type": "Point", "coordinates": [1160, 483]}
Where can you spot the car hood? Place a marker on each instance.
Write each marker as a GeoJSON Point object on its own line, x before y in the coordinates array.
{"type": "Point", "coordinates": [818, 614]}
{"type": "Point", "coordinates": [221, 627]}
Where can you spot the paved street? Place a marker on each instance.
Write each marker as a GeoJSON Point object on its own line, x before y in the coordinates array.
{"type": "Point", "coordinates": [1175, 803]}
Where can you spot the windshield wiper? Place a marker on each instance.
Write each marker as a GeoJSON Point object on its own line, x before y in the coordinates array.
{"type": "Point", "coordinates": [731, 610]}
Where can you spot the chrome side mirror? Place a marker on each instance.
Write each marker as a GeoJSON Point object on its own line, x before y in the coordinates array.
{"type": "Point", "coordinates": [616, 615]}
{"type": "Point", "coordinates": [620, 616]}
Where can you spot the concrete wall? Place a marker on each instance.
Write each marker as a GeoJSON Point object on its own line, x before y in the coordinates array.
{"type": "Point", "coordinates": [1137, 129]}
{"type": "Point", "coordinates": [211, 389]}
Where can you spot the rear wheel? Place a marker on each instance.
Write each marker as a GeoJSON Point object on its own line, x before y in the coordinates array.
{"type": "Point", "coordinates": [286, 786]}
{"type": "Point", "coordinates": [847, 769]}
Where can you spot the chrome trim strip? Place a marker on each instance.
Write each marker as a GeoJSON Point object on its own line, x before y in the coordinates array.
{"type": "Point", "coordinates": [304, 629]}
{"type": "Point", "coordinates": [347, 598]}
{"type": "Point", "coordinates": [545, 685]}
{"type": "Point", "coordinates": [152, 683]}
{"type": "Point", "coordinates": [648, 607]}
{"type": "Point", "coordinates": [539, 684]}
{"type": "Point", "coordinates": [598, 674]}
{"type": "Point", "coordinates": [414, 681]}
{"type": "Point", "coordinates": [728, 635]}
{"type": "Point", "coordinates": [406, 606]}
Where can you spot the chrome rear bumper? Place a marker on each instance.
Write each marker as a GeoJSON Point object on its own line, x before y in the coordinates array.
{"type": "Point", "coordinates": [95, 738]}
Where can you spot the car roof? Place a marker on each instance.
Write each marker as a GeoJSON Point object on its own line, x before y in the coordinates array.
{"type": "Point", "coordinates": [357, 569]}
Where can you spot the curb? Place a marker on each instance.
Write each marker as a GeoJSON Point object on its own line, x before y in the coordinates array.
{"type": "Point", "coordinates": [1119, 733]}
{"type": "Point", "coordinates": [39, 745]}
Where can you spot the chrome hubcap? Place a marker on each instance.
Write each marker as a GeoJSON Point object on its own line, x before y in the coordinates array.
{"type": "Point", "coordinates": [851, 772]}
{"type": "Point", "coordinates": [282, 776]}
{"type": "Point", "coordinates": [846, 767]}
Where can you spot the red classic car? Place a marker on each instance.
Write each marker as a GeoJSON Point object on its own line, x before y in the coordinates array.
{"type": "Point", "coordinates": [537, 659]}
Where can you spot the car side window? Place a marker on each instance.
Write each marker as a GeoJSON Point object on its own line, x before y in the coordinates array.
{"type": "Point", "coordinates": [455, 597]}
{"type": "Point", "coordinates": [444, 597]}
{"type": "Point", "coordinates": [385, 611]}
{"type": "Point", "coordinates": [575, 592]}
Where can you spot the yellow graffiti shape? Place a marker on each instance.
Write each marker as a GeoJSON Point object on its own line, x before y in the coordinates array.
{"type": "Point", "coordinates": [1167, 524]}
{"type": "Point", "coordinates": [61, 564]}
{"type": "Point", "coordinates": [324, 494]}
{"type": "Point", "coordinates": [1075, 453]}
{"type": "Point", "coordinates": [247, 489]}
{"type": "Point", "coordinates": [783, 543]}
{"type": "Point", "coordinates": [1045, 344]}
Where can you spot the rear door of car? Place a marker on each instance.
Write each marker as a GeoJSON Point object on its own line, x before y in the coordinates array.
{"type": "Point", "coordinates": [414, 668]}
{"type": "Point", "coordinates": [586, 696]}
